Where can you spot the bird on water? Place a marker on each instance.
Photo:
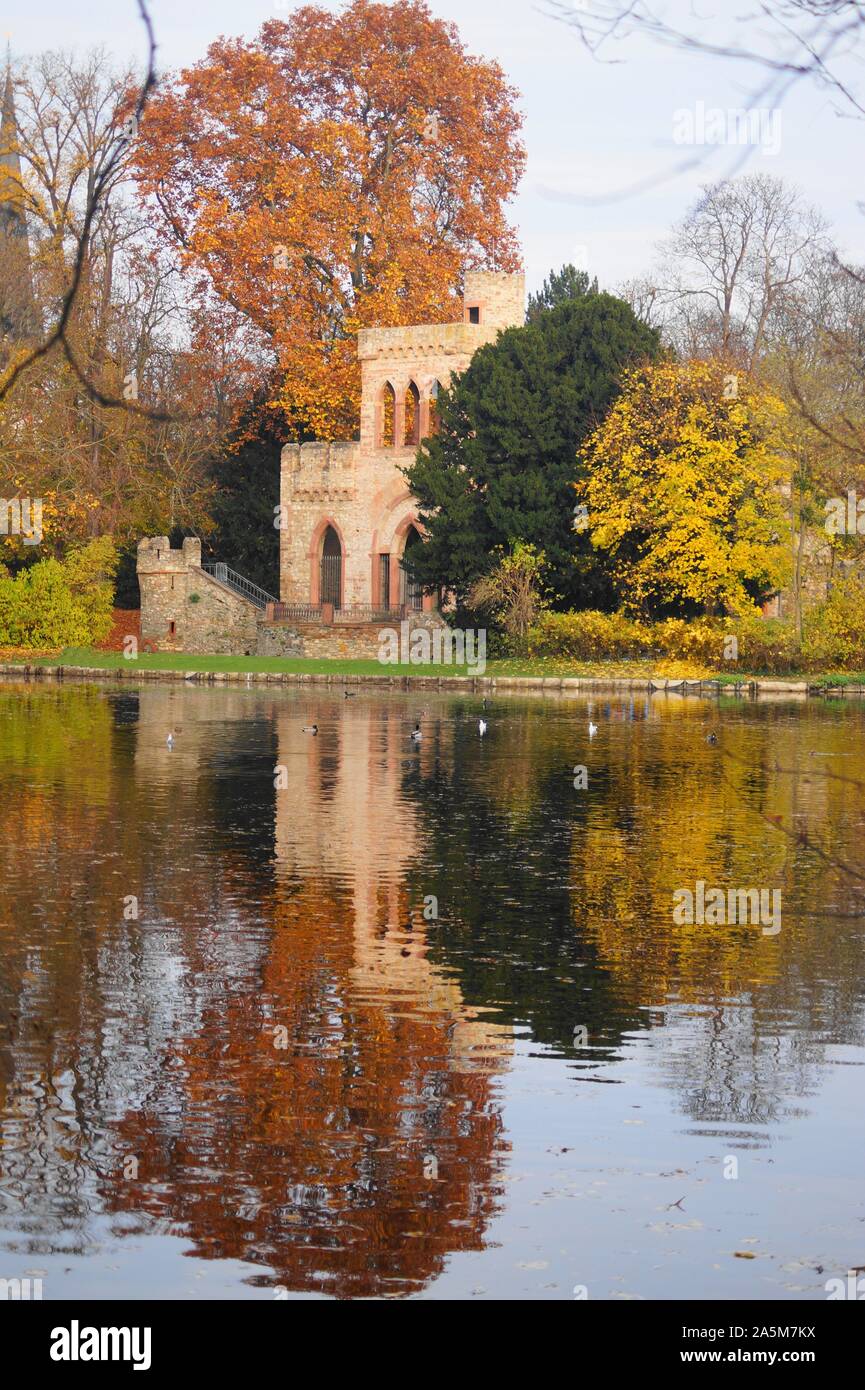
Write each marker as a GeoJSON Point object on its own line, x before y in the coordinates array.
{"type": "Point", "coordinates": [482, 727]}
{"type": "Point", "coordinates": [416, 733]}
{"type": "Point", "coordinates": [310, 729]}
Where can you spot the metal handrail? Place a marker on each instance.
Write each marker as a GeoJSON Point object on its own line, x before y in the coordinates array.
{"type": "Point", "coordinates": [245, 587]}
{"type": "Point", "coordinates": [363, 613]}
{"type": "Point", "coordinates": [307, 612]}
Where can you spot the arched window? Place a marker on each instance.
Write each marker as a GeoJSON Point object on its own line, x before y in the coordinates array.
{"type": "Point", "coordinates": [330, 586]}
{"type": "Point", "coordinates": [411, 434]}
{"type": "Point", "coordinates": [434, 420]}
{"type": "Point", "coordinates": [412, 592]}
{"type": "Point", "coordinates": [388, 415]}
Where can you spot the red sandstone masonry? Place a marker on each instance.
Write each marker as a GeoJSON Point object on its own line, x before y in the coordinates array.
{"type": "Point", "coordinates": [357, 488]}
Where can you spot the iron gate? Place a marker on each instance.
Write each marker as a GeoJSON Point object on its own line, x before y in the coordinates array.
{"type": "Point", "coordinates": [331, 569]}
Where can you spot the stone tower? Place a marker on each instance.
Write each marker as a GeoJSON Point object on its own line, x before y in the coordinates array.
{"type": "Point", "coordinates": [347, 516]}
{"type": "Point", "coordinates": [18, 319]}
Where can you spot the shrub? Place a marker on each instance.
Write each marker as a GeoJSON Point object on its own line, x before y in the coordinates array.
{"type": "Point", "coordinates": [59, 603]}
{"type": "Point", "coordinates": [834, 630]}
{"type": "Point", "coordinates": [764, 645]}
{"type": "Point", "coordinates": [768, 645]}
{"type": "Point", "coordinates": [90, 571]}
{"type": "Point", "coordinates": [513, 591]}
{"type": "Point", "coordinates": [589, 636]}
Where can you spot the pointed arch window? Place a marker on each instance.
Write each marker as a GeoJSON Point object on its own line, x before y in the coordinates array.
{"type": "Point", "coordinates": [411, 432]}
{"type": "Point", "coordinates": [387, 418]}
{"type": "Point", "coordinates": [434, 420]}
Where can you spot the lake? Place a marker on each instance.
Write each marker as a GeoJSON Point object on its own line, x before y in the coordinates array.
{"type": "Point", "coordinates": [343, 1015]}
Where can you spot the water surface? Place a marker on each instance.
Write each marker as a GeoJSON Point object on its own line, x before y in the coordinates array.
{"type": "Point", "coordinates": [295, 1016]}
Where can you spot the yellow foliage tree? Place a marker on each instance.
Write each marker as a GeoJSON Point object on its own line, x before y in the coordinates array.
{"type": "Point", "coordinates": [684, 483]}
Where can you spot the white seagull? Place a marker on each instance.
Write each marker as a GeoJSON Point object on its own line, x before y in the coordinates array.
{"type": "Point", "coordinates": [593, 729]}
{"type": "Point", "coordinates": [482, 727]}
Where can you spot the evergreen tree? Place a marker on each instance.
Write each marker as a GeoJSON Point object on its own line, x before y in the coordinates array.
{"type": "Point", "coordinates": [245, 534]}
{"type": "Point", "coordinates": [561, 287]}
{"type": "Point", "coordinates": [503, 464]}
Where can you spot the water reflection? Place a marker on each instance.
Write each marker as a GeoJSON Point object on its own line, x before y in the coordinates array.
{"type": "Point", "coordinates": [224, 1014]}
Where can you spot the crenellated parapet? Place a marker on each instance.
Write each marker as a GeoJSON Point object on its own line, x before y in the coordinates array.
{"type": "Point", "coordinates": [416, 344]}
{"type": "Point", "coordinates": [319, 471]}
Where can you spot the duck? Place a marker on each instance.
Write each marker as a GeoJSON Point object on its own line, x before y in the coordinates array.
{"type": "Point", "coordinates": [170, 740]}
{"type": "Point", "coordinates": [712, 738]}
{"type": "Point", "coordinates": [310, 729]}
{"type": "Point", "coordinates": [416, 733]}
{"type": "Point", "coordinates": [349, 694]}
{"type": "Point", "coordinates": [482, 727]}
{"type": "Point", "coordinates": [593, 729]}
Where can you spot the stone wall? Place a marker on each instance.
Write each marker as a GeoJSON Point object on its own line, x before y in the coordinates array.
{"type": "Point", "coordinates": [184, 609]}
{"type": "Point", "coordinates": [338, 641]}
{"type": "Point", "coordinates": [278, 639]}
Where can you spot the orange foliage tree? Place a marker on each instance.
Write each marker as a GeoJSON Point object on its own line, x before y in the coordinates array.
{"type": "Point", "coordinates": [335, 173]}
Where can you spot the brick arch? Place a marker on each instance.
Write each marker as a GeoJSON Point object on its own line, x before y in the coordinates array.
{"type": "Point", "coordinates": [400, 533]}
{"type": "Point", "coordinates": [390, 537]}
{"type": "Point", "coordinates": [314, 554]}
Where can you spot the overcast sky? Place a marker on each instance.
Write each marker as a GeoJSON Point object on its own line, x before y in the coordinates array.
{"type": "Point", "coordinates": [592, 129]}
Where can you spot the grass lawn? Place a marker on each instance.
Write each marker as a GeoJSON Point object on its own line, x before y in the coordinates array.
{"type": "Point", "coordinates": [552, 667]}
{"type": "Point", "coordinates": [180, 661]}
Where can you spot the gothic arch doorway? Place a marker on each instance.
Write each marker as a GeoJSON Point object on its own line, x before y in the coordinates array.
{"type": "Point", "coordinates": [411, 593]}
{"type": "Point", "coordinates": [330, 574]}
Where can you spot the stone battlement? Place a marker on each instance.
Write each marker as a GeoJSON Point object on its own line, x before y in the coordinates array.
{"type": "Point", "coordinates": [155, 555]}
{"type": "Point", "coordinates": [415, 343]}
{"type": "Point", "coordinates": [322, 457]}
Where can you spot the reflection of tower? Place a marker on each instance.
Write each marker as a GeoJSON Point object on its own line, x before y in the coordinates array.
{"type": "Point", "coordinates": [17, 307]}
{"type": "Point", "coordinates": [345, 813]}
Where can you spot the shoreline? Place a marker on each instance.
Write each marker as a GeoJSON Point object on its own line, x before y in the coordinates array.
{"type": "Point", "coordinates": [751, 688]}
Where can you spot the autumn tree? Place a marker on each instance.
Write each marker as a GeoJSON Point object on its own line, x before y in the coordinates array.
{"type": "Point", "coordinates": [684, 489]}
{"type": "Point", "coordinates": [177, 363]}
{"type": "Point", "coordinates": [337, 172]}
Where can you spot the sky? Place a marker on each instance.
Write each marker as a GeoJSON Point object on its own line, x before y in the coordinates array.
{"type": "Point", "coordinates": [603, 181]}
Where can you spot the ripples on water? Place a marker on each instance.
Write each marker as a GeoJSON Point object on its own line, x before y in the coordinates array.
{"type": "Point", "coordinates": [319, 1038]}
